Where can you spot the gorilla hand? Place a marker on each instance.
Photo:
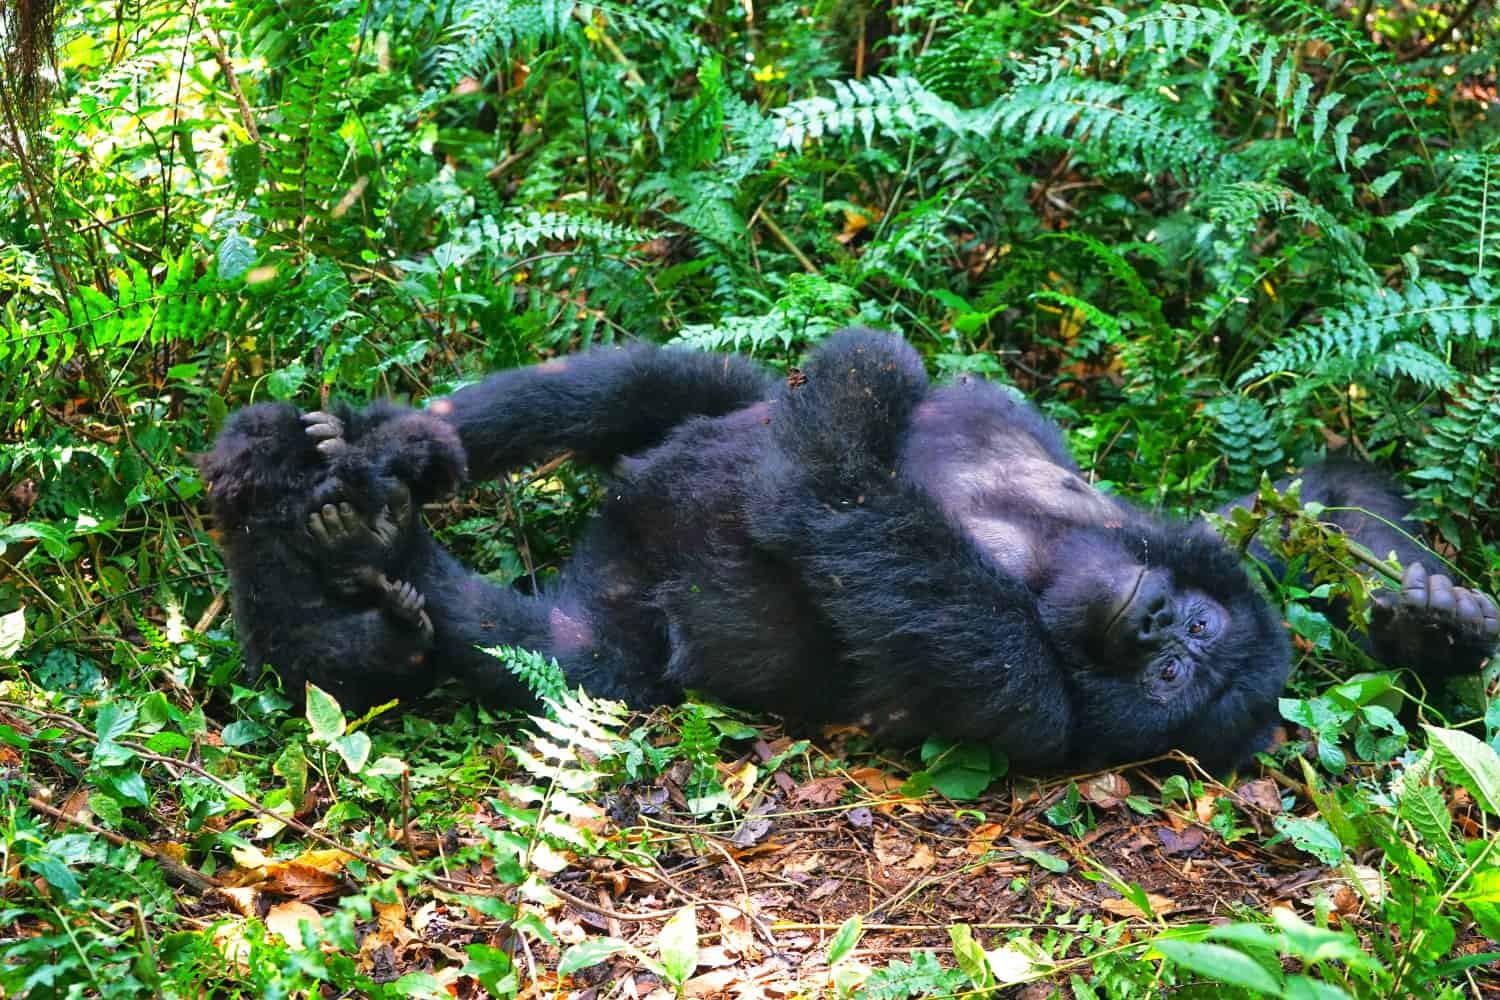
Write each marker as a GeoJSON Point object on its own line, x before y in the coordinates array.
{"type": "Point", "coordinates": [1433, 627]}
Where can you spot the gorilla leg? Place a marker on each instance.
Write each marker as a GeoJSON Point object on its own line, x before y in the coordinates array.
{"type": "Point", "coordinates": [598, 624]}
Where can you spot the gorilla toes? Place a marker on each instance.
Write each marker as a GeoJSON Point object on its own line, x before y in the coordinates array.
{"type": "Point", "coordinates": [1434, 627]}
{"type": "Point", "coordinates": [327, 430]}
{"type": "Point", "coordinates": [407, 603]}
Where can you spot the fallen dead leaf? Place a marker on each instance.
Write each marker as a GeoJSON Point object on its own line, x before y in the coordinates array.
{"type": "Point", "coordinates": [921, 859]}
{"type": "Point", "coordinates": [1261, 793]}
{"type": "Point", "coordinates": [892, 848]}
{"type": "Point", "coordinates": [874, 780]}
{"type": "Point", "coordinates": [819, 791]}
{"type": "Point", "coordinates": [1106, 790]}
{"type": "Point", "coordinates": [982, 840]}
{"type": "Point", "coordinates": [285, 920]}
{"type": "Point", "coordinates": [301, 881]}
{"type": "Point", "coordinates": [244, 899]}
{"type": "Point", "coordinates": [1123, 907]}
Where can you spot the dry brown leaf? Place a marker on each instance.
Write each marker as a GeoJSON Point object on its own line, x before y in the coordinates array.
{"type": "Point", "coordinates": [244, 899]}
{"type": "Point", "coordinates": [891, 848]}
{"type": "Point", "coordinates": [802, 864]}
{"type": "Point", "coordinates": [284, 920]}
{"type": "Point", "coordinates": [827, 887]}
{"type": "Point", "coordinates": [740, 781]}
{"type": "Point", "coordinates": [921, 859]}
{"type": "Point", "coordinates": [1123, 907]}
{"type": "Point", "coordinates": [874, 780]}
{"type": "Point", "coordinates": [294, 879]}
{"type": "Point", "coordinates": [823, 791]}
{"type": "Point", "coordinates": [982, 840]}
{"type": "Point", "coordinates": [1261, 793]}
{"type": "Point", "coordinates": [392, 916]}
{"type": "Point", "coordinates": [710, 983]}
{"type": "Point", "coordinates": [1106, 790]}
{"type": "Point", "coordinates": [1205, 806]}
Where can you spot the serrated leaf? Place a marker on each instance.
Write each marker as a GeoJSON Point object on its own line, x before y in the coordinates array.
{"type": "Point", "coordinates": [1221, 964]}
{"type": "Point", "coordinates": [1470, 762]}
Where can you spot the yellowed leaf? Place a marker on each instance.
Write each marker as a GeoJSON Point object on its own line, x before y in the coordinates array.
{"type": "Point", "coordinates": [1123, 907]}
{"type": "Point", "coordinates": [284, 920]}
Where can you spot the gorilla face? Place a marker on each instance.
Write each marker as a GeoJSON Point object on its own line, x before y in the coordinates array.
{"type": "Point", "coordinates": [1167, 642]}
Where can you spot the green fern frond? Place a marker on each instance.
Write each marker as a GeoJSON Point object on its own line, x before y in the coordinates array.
{"type": "Point", "coordinates": [521, 235]}
{"type": "Point", "coordinates": [1236, 207]}
{"type": "Point", "coordinates": [888, 104]}
{"type": "Point", "coordinates": [1245, 433]}
{"type": "Point", "coordinates": [542, 676]}
{"type": "Point", "coordinates": [745, 334]}
{"type": "Point", "coordinates": [1352, 336]}
{"type": "Point", "coordinates": [1123, 128]}
{"type": "Point", "coordinates": [1170, 32]}
{"type": "Point", "coordinates": [483, 28]}
{"type": "Point", "coordinates": [1458, 458]}
{"type": "Point", "coordinates": [1470, 199]}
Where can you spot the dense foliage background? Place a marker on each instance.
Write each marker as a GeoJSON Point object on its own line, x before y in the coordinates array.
{"type": "Point", "coordinates": [1213, 241]}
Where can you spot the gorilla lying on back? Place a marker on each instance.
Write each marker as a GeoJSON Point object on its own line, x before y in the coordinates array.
{"type": "Point", "coordinates": [849, 545]}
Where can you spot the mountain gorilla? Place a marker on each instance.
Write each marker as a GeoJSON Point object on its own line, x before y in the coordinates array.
{"type": "Point", "coordinates": [849, 545]}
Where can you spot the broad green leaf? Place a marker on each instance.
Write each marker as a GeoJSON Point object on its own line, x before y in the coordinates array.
{"type": "Point", "coordinates": [845, 939]}
{"type": "Point", "coordinates": [1308, 988]}
{"type": "Point", "coordinates": [1221, 964]}
{"type": "Point", "coordinates": [1470, 762]}
{"type": "Point", "coordinates": [591, 952]}
{"type": "Point", "coordinates": [291, 767]}
{"type": "Point", "coordinates": [969, 955]}
{"type": "Point", "coordinates": [493, 968]}
{"type": "Point", "coordinates": [1313, 836]}
{"type": "Point", "coordinates": [324, 715]}
{"type": "Point", "coordinates": [1482, 897]}
{"type": "Point", "coordinates": [354, 748]}
{"type": "Point", "coordinates": [678, 943]}
{"type": "Point", "coordinates": [12, 631]}
{"type": "Point", "coordinates": [1051, 862]}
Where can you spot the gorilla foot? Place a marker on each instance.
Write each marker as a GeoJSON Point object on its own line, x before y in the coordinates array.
{"type": "Point", "coordinates": [407, 604]}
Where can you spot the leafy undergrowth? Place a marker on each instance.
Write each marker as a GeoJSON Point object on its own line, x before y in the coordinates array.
{"type": "Point", "coordinates": [692, 853]}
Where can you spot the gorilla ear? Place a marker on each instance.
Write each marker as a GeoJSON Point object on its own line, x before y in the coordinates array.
{"type": "Point", "coordinates": [422, 451]}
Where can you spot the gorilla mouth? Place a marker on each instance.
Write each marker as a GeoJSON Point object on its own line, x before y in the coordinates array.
{"type": "Point", "coordinates": [1124, 606]}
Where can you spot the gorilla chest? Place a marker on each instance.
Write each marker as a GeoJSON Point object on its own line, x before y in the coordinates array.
{"type": "Point", "coordinates": [1008, 494]}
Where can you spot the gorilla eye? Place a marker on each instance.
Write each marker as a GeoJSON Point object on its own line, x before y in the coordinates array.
{"type": "Point", "coordinates": [1171, 670]}
{"type": "Point", "coordinates": [1197, 626]}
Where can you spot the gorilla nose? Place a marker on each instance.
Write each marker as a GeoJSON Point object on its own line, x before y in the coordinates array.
{"type": "Point", "coordinates": [1150, 614]}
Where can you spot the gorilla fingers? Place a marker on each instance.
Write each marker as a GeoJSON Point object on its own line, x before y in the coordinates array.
{"type": "Point", "coordinates": [1433, 627]}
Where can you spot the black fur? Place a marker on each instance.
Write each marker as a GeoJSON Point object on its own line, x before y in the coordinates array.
{"type": "Point", "coordinates": [333, 611]}
{"type": "Point", "coordinates": [850, 545]}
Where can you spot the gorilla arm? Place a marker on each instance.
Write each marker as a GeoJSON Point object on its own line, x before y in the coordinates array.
{"type": "Point", "coordinates": [1429, 625]}
{"type": "Point", "coordinates": [600, 405]}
